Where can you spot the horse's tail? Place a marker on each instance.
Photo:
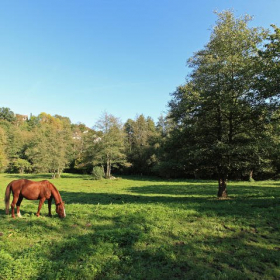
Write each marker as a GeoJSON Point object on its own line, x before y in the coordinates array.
{"type": "Point", "coordinates": [7, 197]}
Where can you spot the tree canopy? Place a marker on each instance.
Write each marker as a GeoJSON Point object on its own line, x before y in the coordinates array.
{"type": "Point", "coordinates": [221, 112]}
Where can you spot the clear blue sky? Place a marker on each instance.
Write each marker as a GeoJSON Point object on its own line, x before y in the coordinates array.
{"type": "Point", "coordinates": [80, 58]}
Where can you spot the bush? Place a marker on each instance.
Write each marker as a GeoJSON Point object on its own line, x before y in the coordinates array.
{"type": "Point", "coordinates": [20, 166]}
{"type": "Point", "coordinates": [97, 173]}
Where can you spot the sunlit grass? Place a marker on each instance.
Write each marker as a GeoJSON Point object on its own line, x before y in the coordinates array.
{"type": "Point", "coordinates": [144, 228]}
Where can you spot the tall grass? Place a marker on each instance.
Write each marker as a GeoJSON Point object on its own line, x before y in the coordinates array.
{"type": "Point", "coordinates": [144, 228]}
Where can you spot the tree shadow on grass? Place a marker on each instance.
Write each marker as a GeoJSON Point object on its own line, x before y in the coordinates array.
{"type": "Point", "coordinates": [29, 176]}
{"type": "Point", "coordinates": [112, 198]}
{"type": "Point", "coordinates": [205, 189]}
{"type": "Point", "coordinates": [199, 197]}
{"type": "Point", "coordinates": [3, 211]}
{"type": "Point", "coordinates": [202, 189]}
{"type": "Point", "coordinates": [46, 176]}
{"type": "Point", "coordinates": [124, 249]}
{"type": "Point", "coordinates": [144, 194]}
{"type": "Point", "coordinates": [251, 208]}
{"type": "Point", "coordinates": [179, 193]}
{"type": "Point", "coordinates": [159, 179]}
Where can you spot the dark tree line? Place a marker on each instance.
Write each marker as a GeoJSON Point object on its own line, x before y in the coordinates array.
{"type": "Point", "coordinates": [222, 123]}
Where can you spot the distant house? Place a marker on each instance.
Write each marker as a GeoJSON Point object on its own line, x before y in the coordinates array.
{"type": "Point", "coordinates": [22, 118]}
{"type": "Point", "coordinates": [98, 139]}
{"type": "Point", "coordinates": [77, 136]}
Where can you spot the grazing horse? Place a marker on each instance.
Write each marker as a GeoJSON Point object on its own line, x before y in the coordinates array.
{"type": "Point", "coordinates": [33, 191]}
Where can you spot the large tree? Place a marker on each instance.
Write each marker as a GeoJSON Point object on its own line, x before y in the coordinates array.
{"type": "Point", "coordinates": [141, 144]}
{"type": "Point", "coordinates": [50, 150]}
{"type": "Point", "coordinates": [107, 151]}
{"type": "Point", "coordinates": [218, 111]}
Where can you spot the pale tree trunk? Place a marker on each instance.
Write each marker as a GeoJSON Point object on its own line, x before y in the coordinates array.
{"type": "Point", "coordinates": [251, 176]}
{"type": "Point", "coordinates": [108, 170]}
{"type": "Point", "coordinates": [102, 166]}
{"type": "Point", "coordinates": [56, 173]}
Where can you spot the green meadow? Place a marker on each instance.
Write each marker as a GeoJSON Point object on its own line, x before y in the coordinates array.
{"type": "Point", "coordinates": [144, 228]}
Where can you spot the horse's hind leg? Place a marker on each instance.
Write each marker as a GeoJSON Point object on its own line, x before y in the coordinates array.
{"type": "Point", "coordinates": [18, 205]}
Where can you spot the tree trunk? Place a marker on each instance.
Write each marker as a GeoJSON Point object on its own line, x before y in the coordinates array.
{"type": "Point", "coordinates": [222, 191]}
{"type": "Point", "coordinates": [108, 170]}
{"type": "Point", "coordinates": [251, 176]}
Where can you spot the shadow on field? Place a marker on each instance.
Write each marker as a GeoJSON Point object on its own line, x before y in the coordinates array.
{"type": "Point", "coordinates": [176, 190]}
{"type": "Point", "coordinates": [46, 176]}
{"type": "Point", "coordinates": [34, 176]}
{"type": "Point", "coordinates": [207, 189]}
{"type": "Point", "coordinates": [157, 179]}
{"type": "Point", "coordinates": [106, 252]}
{"type": "Point", "coordinates": [202, 192]}
{"type": "Point", "coordinates": [244, 203]}
{"type": "Point", "coordinates": [112, 198]}
{"type": "Point", "coordinates": [124, 249]}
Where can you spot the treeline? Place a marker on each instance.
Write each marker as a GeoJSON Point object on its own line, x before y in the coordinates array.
{"type": "Point", "coordinates": [223, 122]}
{"type": "Point", "coordinates": [46, 143]}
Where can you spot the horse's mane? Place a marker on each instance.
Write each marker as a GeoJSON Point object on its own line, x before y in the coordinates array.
{"type": "Point", "coordinates": [53, 189]}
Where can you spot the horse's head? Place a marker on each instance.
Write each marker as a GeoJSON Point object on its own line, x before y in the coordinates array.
{"type": "Point", "coordinates": [60, 210]}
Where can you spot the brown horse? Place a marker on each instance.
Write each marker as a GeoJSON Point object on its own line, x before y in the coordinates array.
{"type": "Point", "coordinates": [33, 191]}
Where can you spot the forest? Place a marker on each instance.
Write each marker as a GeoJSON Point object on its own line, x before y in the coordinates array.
{"type": "Point", "coordinates": [222, 123]}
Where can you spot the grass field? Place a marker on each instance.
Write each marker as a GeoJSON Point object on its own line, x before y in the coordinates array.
{"type": "Point", "coordinates": [144, 228]}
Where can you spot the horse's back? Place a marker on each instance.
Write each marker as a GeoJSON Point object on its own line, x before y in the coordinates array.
{"type": "Point", "coordinates": [30, 189]}
{"type": "Point", "coordinates": [18, 184]}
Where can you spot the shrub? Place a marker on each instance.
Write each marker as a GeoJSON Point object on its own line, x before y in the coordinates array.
{"type": "Point", "coordinates": [97, 173]}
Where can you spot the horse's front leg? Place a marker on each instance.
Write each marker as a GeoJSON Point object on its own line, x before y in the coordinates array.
{"type": "Point", "coordinates": [18, 205]}
{"type": "Point", "coordinates": [42, 200]}
{"type": "Point", "coordinates": [50, 206]}
{"type": "Point", "coordinates": [13, 210]}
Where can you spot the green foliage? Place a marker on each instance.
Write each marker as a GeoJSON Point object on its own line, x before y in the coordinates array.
{"type": "Point", "coordinates": [108, 150]}
{"type": "Point", "coordinates": [20, 166]}
{"type": "Point", "coordinates": [7, 114]}
{"type": "Point", "coordinates": [143, 228]}
{"type": "Point", "coordinates": [142, 142]}
{"type": "Point", "coordinates": [219, 112]}
{"type": "Point", "coordinates": [50, 151]}
{"type": "Point", "coordinates": [3, 145]}
{"type": "Point", "coordinates": [268, 80]}
{"type": "Point", "coordinates": [97, 173]}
